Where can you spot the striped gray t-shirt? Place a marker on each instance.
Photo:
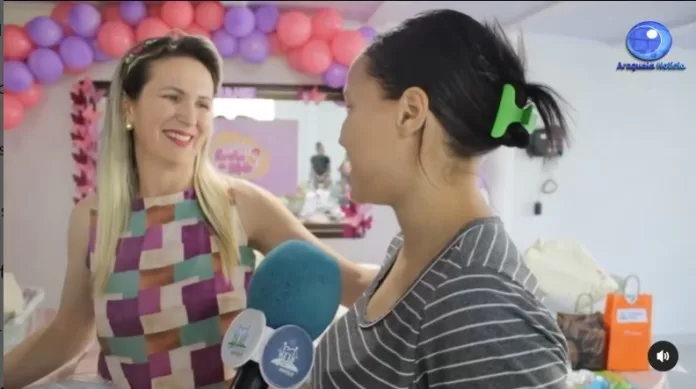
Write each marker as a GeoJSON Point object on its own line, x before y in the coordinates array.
{"type": "Point", "coordinates": [472, 320]}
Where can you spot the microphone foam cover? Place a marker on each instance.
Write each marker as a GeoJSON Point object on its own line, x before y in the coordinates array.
{"type": "Point", "coordinates": [297, 283]}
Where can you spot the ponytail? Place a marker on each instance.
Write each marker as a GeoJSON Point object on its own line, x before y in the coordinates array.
{"type": "Point", "coordinates": [547, 103]}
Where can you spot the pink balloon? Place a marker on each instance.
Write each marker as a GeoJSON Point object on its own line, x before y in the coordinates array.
{"type": "Point", "coordinates": [326, 24]}
{"type": "Point", "coordinates": [315, 57]}
{"type": "Point", "coordinates": [151, 28]}
{"type": "Point", "coordinates": [294, 57]}
{"type": "Point", "coordinates": [115, 38]}
{"type": "Point", "coordinates": [30, 97]}
{"type": "Point", "coordinates": [196, 30]}
{"type": "Point", "coordinates": [346, 46]}
{"type": "Point", "coordinates": [210, 15]}
{"type": "Point", "coordinates": [177, 14]}
{"type": "Point", "coordinates": [60, 15]}
{"type": "Point", "coordinates": [111, 12]}
{"type": "Point", "coordinates": [16, 43]}
{"type": "Point", "coordinates": [275, 45]}
{"type": "Point", "coordinates": [14, 112]}
{"type": "Point", "coordinates": [154, 10]}
{"type": "Point", "coordinates": [294, 29]}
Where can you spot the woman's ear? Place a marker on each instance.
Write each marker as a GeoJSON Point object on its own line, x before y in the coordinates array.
{"type": "Point", "coordinates": [413, 110]}
{"type": "Point", "coordinates": [127, 109]}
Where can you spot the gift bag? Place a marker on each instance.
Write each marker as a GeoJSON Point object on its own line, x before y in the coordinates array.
{"type": "Point", "coordinates": [585, 335]}
{"type": "Point", "coordinates": [628, 322]}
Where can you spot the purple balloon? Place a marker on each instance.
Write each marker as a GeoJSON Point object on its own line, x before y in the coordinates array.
{"type": "Point", "coordinates": [17, 76]}
{"type": "Point", "coordinates": [44, 31]}
{"type": "Point", "coordinates": [46, 65]}
{"type": "Point", "coordinates": [254, 48]}
{"type": "Point", "coordinates": [225, 43]}
{"type": "Point", "coordinates": [85, 20]}
{"type": "Point", "coordinates": [99, 55]}
{"type": "Point", "coordinates": [132, 12]}
{"type": "Point", "coordinates": [239, 21]}
{"type": "Point", "coordinates": [267, 18]}
{"type": "Point", "coordinates": [335, 76]}
{"type": "Point", "coordinates": [368, 32]}
{"type": "Point", "coordinates": [75, 52]}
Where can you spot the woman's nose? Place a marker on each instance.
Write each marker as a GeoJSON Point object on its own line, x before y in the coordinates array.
{"type": "Point", "coordinates": [187, 113]}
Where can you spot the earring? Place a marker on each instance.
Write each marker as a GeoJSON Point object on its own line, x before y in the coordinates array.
{"type": "Point", "coordinates": [129, 127]}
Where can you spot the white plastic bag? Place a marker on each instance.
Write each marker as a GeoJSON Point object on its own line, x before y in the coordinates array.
{"type": "Point", "coordinates": [566, 270]}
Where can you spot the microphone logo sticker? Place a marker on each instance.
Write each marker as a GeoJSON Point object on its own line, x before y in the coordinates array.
{"type": "Point", "coordinates": [286, 359]}
{"type": "Point", "coordinates": [239, 339]}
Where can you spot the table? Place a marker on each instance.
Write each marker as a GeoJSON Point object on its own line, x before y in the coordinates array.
{"type": "Point", "coordinates": [647, 379]}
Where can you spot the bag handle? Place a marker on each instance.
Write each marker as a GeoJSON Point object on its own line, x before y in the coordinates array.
{"type": "Point", "coordinates": [577, 302]}
{"type": "Point", "coordinates": [631, 298]}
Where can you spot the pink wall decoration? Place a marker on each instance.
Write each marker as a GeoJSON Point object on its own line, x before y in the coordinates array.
{"type": "Point", "coordinates": [262, 152]}
{"type": "Point", "coordinates": [84, 135]}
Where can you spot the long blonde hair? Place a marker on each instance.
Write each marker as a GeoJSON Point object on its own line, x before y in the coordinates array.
{"type": "Point", "coordinates": [117, 182]}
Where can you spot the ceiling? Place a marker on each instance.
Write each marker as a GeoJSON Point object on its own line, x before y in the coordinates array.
{"type": "Point", "coordinates": [603, 21]}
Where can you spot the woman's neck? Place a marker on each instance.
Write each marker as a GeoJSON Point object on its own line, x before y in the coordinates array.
{"type": "Point", "coordinates": [157, 180]}
{"type": "Point", "coordinates": [429, 219]}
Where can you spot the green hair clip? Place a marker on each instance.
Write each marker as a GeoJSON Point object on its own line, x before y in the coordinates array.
{"type": "Point", "coordinates": [509, 112]}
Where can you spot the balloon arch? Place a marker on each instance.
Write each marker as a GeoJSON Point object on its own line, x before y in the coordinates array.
{"type": "Point", "coordinates": [77, 35]}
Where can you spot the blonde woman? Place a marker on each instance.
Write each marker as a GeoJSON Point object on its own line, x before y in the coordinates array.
{"type": "Point", "coordinates": [158, 260]}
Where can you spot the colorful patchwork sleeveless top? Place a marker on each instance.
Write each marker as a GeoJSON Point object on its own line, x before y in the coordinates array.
{"type": "Point", "coordinates": [167, 304]}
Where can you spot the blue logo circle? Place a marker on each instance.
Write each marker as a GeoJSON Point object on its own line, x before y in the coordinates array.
{"type": "Point", "coordinates": [649, 41]}
{"type": "Point", "coordinates": [287, 358]}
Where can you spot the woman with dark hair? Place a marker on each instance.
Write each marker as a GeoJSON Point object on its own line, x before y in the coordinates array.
{"type": "Point", "coordinates": [454, 306]}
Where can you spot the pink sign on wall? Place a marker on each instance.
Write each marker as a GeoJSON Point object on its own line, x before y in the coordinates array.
{"type": "Point", "coordinates": [264, 152]}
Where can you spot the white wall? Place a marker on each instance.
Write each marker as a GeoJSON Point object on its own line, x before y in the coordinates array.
{"type": "Point", "coordinates": [620, 187]}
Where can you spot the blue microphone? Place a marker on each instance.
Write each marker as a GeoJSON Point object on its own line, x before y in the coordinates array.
{"type": "Point", "coordinates": [292, 298]}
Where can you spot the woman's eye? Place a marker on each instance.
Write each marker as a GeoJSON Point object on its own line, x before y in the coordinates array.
{"type": "Point", "coordinates": [173, 98]}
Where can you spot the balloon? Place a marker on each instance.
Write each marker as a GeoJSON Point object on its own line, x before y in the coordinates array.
{"type": "Point", "coordinates": [254, 48]}
{"type": "Point", "coordinates": [13, 112]}
{"type": "Point", "coordinates": [276, 47]}
{"type": "Point", "coordinates": [44, 31]}
{"type": "Point", "coordinates": [368, 33]}
{"type": "Point", "coordinates": [267, 18]}
{"type": "Point", "coordinates": [132, 12]}
{"type": "Point", "coordinates": [84, 19]}
{"type": "Point", "coordinates": [17, 76]}
{"type": "Point", "coordinates": [154, 10]}
{"type": "Point", "coordinates": [295, 59]}
{"type": "Point", "coordinates": [294, 29]}
{"type": "Point", "coordinates": [46, 65]}
{"type": "Point", "coordinates": [151, 28]}
{"type": "Point", "coordinates": [60, 15]}
{"type": "Point", "coordinates": [74, 71]}
{"type": "Point", "coordinates": [99, 55]}
{"type": "Point", "coordinates": [177, 14]}
{"type": "Point", "coordinates": [16, 43]}
{"type": "Point", "coordinates": [76, 53]}
{"type": "Point", "coordinates": [115, 38]}
{"type": "Point", "coordinates": [315, 56]}
{"type": "Point", "coordinates": [335, 76]}
{"type": "Point", "coordinates": [210, 15]}
{"type": "Point", "coordinates": [29, 97]}
{"type": "Point", "coordinates": [239, 21]}
{"type": "Point", "coordinates": [111, 12]}
{"type": "Point", "coordinates": [326, 24]}
{"type": "Point", "coordinates": [197, 30]}
{"type": "Point", "coordinates": [225, 43]}
{"type": "Point", "coordinates": [346, 46]}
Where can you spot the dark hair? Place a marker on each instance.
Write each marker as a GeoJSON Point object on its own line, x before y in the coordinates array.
{"type": "Point", "coordinates": [462, 66]}
{"type": "Point", "coordinates": [136, 67]}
